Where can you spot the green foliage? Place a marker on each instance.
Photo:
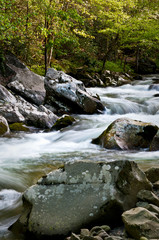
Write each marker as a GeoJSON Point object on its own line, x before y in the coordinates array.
{"type": "Point", "coordinates": [75, 33]}
{"type": "Point", "coordinates": [38, 69]}
{"type": "Point", "coordinates": [117, 67]}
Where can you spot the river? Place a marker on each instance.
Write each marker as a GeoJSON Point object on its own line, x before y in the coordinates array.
{"type": "Point", "coordinates": [24, 158]}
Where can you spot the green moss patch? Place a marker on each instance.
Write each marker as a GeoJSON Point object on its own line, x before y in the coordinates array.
{"type": "Point", "coordinates": [19, 127]}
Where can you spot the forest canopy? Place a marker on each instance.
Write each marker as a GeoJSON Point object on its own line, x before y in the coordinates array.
{"type": "Point", "coordinates": [71, 34]}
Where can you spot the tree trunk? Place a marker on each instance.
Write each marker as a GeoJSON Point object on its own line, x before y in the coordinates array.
{"type": "Point", "coordinates": [45, 41]}
{"type": "Point", "coordinates": [137, 58]}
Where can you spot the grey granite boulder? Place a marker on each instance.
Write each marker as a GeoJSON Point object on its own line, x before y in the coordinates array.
{"type": "Point", "coordinates": [79, 194]}
{"type": "Point", "coordinates": [6, 96]}
{"type": "Point", "coordinates": [66, 94]}
{"type": "Point", "coordinates": [21, 80]}
{"type": "Point", "coordinates": [17, 109]}
{"type": "Point", "coordinates": [125, 133]}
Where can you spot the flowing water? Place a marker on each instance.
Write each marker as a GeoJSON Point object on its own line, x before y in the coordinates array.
{"type": "Point", "coordinates": [25, 158]}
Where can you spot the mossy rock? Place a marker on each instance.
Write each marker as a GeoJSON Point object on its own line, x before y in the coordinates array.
{"type": "Point", "coordinates": [125, 133]}
{"type": "Point", "coordinates": [63, 122]}
{"type": "Point", "coordinates": [3, 128]}
{"type": "Point", "coordinates": [19, 127]}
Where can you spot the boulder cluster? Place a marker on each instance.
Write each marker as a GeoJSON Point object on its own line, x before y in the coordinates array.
{"type": "Point", "coordinates": [33, 100]}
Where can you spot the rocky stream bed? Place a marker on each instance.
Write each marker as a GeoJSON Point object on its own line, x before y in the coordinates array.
{"type": "Point", "coordinates": [56, 182]}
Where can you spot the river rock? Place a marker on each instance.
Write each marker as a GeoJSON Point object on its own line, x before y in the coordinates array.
{"type": "Point", "coordinates": [67, 94]}
{"type": "Point", "coordinates": [151, 207]}
{"type": "Point", "coordinates": [139, 222]}
{"type": "Point", "coordinates": [155, 142]}
{"type": "Point", "coordinates": [31, 95]}
{"type": "Point", "coordinates": [4, 128]}
{"type": "Point", "coordinates": [6, 96]}
{"type": "Point", "coordinates": [22, 81]}
{"type": "Point", "coordinates": [148, 196]}
{"type": "Point", "coordinates": [152, 174]}
{"type": "Point", "coordinates": [40, 117]}
{"type": "Point", "coordinates": [125, 133]}
{"type": "Point", "coordinates": [110, 78]}
{"type": "Point", "coordinates": [154, 87]}
{"type": "Point", "coordinates": [63, 122]}
{"type": "Point", "coordinates": [16, 109]}
{"type": "Point", "coordinates": [79, 194]}
{"type": "Point", "coordinates": [11, 112]}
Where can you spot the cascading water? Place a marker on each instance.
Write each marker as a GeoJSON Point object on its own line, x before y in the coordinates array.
{"type": "Point", "coordinates": [25, 158]}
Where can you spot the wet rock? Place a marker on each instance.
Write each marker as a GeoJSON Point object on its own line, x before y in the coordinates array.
{"type": "Point", "coordinates": [6, 96]}
{"type": "Point", "coordinates": [33, 96]}
{"type": "Point", "coordinates": [115, 78]}
{"type": "Point", "coordinates": [67, 94]}
{"type": "Point", "coordinates": [11, 112]}
{"type": "Point", "coordinates": [84, 232]}
{"type": "Point", "coordinates": [100, 231]}
{"type": "Point", "coordinates": [74, 237]}
{"type": "Point", "coordinates": [39, 117]}
{"type": "Point", "coordinates": [16, 109]}
{"type": "Point", "coordinates": [4, 128]}
{"type": "Point", "coordinates": [152, 174]}
{"type": "Point", "coordinates": [81, 193]}
{"type": "Point", "coordinates": [25, 82]}
{"type": "Point", "coordinates": [148, 196]}
{"type": "Point", "coordinates": [63, 122]}
{"type": "Point", "coordinates": [151, 207]}
{"type": "Point", "coordinates": [155, 143]}
{"type": "Point", "coordinates": [156, 185]}
{"type": "Point", "coordinates": [126, 134]}
{"type": "Point", "coordinates": [102, 234]}
{"type": "Point", "coordinates": [96, 229]}
{"type": "Point", "coordinates": [21, 80]}
{"type": "Point", "coordinates": [139, 222]}
{"type": "Point", "coordinates": [154, 87]}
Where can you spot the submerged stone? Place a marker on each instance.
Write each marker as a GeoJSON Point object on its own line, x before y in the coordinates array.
{"type": "Point", "coordinates": [125, 133]}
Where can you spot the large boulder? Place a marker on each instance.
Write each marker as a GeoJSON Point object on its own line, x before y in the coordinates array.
{"type": "Point", "coordinates": [79, 194]}
{"type": "Point", "coordinates": [126, 134]}
{"type": "Point", "coordinates": [22, 81]}
{"type": "Point", "coordinates": [139, 222]}
{"type": "Point", "coordinates": [67, 94]}
{"type": "Point", "coordinates": [6, 96]}
{"type": "Point", "coordinates": [40, 117]}
{"type": "Point", "coordinates": [16, 109]}
{"type": "Point", "coordinates": [4, 128]}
